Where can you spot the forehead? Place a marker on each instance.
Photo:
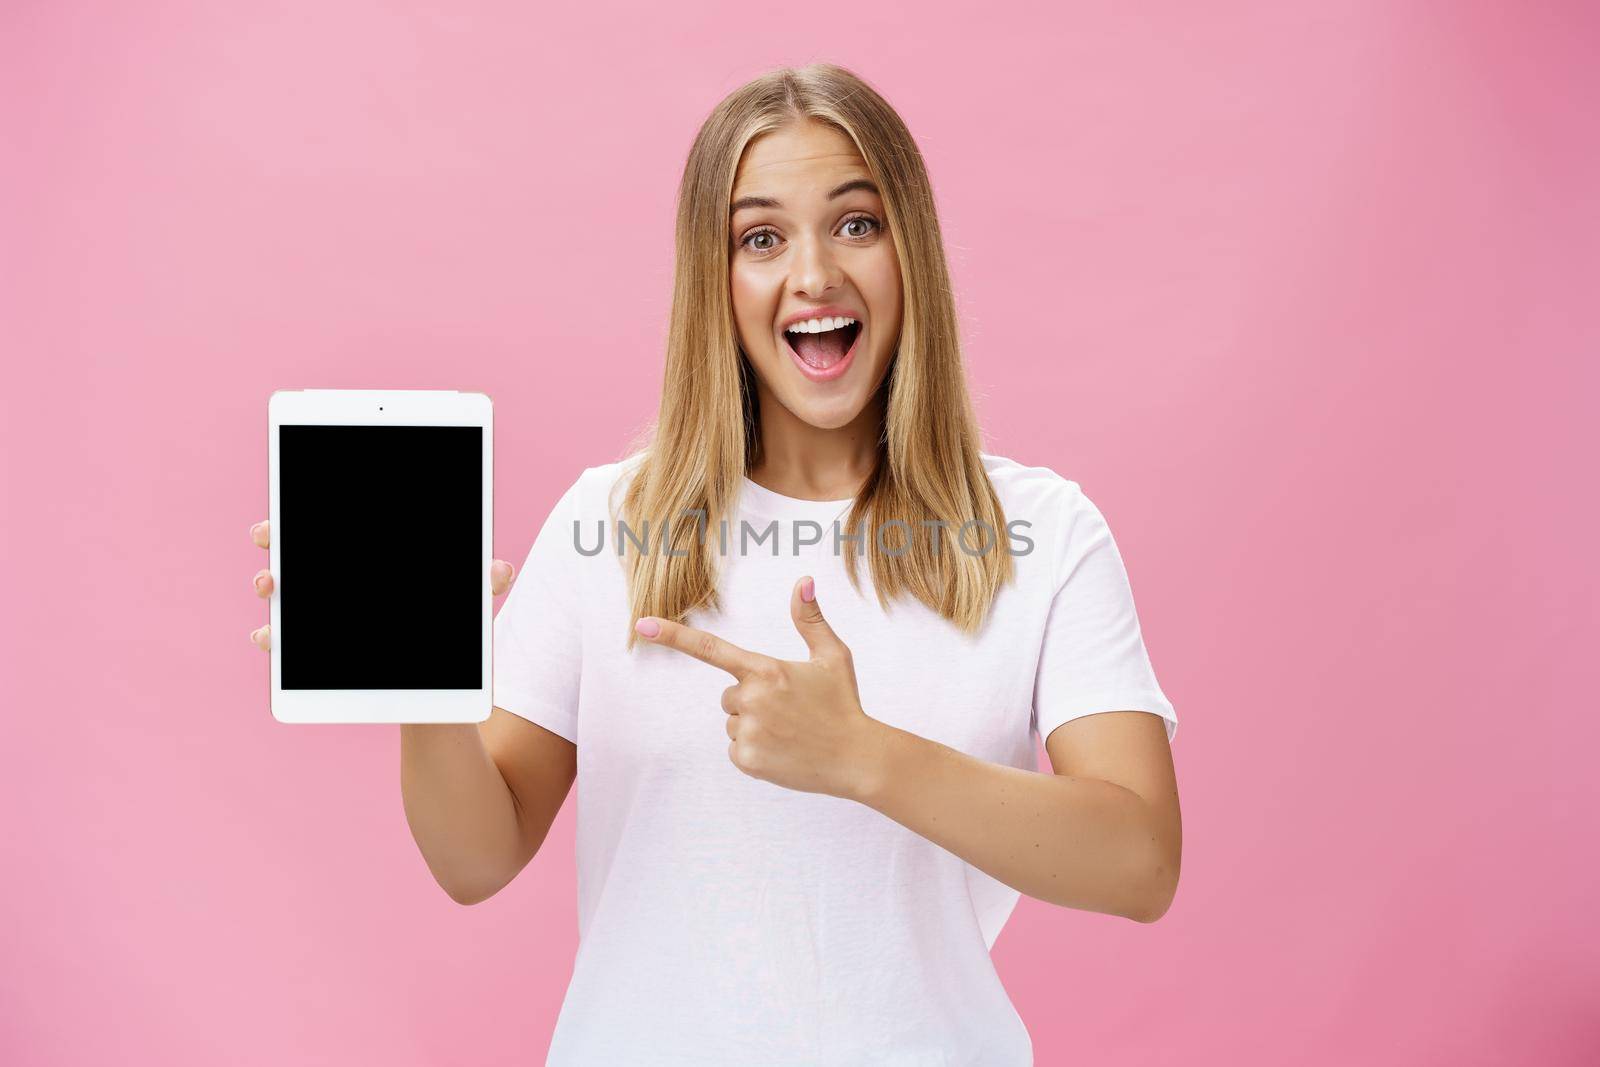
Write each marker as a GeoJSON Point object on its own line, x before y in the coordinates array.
{"type": "Point", "coordinates": [797, 157]}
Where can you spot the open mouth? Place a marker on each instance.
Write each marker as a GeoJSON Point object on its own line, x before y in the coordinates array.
{"type": "Point", "coordinates": [826, 348]}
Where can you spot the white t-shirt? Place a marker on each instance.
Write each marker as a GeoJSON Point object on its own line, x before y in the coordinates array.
{"type": "Point", "coordinates": [723, 919]}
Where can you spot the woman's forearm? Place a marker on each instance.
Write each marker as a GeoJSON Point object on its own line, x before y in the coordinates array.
{"type": "Point", "coordinates": [1078, 842]}
{"type": "Point", "coordinates": [461, 812]}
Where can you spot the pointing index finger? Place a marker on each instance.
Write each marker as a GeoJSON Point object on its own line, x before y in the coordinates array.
{"type": "Point", "coordinates": [705, 647]}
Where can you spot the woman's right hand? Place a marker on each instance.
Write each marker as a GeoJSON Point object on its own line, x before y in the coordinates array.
{"type": "Point", "coordinates": [499, 581]}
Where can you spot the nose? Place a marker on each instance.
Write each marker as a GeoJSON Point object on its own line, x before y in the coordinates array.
{"type": "Point", "coordinates": [815, 269]}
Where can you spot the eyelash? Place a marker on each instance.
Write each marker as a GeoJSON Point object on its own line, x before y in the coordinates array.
{"type": "Point", "coordinates": [745, 242]}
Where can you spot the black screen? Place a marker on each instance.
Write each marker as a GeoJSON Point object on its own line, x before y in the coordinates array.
{"type": "Point", "coordinates": [381, 571]}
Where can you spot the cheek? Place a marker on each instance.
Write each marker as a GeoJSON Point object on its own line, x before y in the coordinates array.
{"type": "Point", "coordinates": [752, 305]}
{"type": "Point", "coordinates": [882, 284]}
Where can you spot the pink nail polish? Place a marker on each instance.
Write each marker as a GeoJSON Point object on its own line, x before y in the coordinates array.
{"type": "Point", "coordinates": [808, 590]}
{"type": "Point", "coordinates": [647, 627]}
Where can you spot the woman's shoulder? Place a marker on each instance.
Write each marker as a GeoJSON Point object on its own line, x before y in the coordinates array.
{"type": "Point", "coordinates": [1053, 508]}
{"type": "Point", "coordinates": [597, 491]}
{"type": "Point", "coordinates": [1023, 486]}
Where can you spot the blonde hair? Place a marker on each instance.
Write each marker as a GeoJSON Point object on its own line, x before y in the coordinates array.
{"type": "Point", "coordinates": [707, 434]}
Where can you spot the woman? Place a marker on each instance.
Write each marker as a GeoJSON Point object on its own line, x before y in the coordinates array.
{"type": "Point", "coordinates": [820, 882]}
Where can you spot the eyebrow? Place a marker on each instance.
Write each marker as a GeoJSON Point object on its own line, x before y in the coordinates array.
{"type": "Point", "coordinates": [838, 191]}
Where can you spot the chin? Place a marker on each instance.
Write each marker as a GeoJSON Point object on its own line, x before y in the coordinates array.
{"type": "Point", "coordinates": [827, 416]}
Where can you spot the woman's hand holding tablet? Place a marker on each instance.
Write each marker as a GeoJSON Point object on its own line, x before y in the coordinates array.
{"type": "Point", "coordinates": [500, 573]}
{"type": "Point", "coordinates": [383, 613]}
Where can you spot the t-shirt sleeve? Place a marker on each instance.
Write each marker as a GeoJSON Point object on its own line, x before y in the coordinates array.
{"type": "Point", "coordinates": [538, 632]}
{"type": "Point", "coordinates": [1093, 657]}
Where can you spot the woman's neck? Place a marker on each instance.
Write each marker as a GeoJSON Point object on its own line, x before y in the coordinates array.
{"type": "Point", "coordinates": [808, 462]}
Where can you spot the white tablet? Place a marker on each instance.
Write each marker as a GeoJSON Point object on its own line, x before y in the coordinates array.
{"type": "Point", "coordinates": [382, 536]}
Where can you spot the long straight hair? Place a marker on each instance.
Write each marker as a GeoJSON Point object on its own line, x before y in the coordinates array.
{"type": "Point", "coordinates": [707, 434]}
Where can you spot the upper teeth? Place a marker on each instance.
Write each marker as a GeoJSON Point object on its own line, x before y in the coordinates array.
{"type": "Point", "coordinates": [818, 325]}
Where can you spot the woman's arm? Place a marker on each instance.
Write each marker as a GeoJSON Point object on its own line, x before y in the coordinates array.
{"type": "Point", "coordinates": [480, 798]}
{"type": "Point", "coordinates": [1103, 833]}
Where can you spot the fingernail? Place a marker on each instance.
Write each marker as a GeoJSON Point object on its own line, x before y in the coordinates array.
{"type": "Point", "coordinates": [255, 529]}
{"type": "Point", "coordinates": [259, 579]}
{"type": "Point", "coordinates": [808, 590]}
{"type": "Point", "coordinates": [255, 635]}
{"type": "Point", "coordinates": [647, 627]}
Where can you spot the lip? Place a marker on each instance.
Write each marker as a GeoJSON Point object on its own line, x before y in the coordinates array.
{"type": "Point", "coordinates": [834, 371]}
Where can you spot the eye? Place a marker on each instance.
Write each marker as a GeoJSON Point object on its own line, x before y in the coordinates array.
{"type": "Point", "coordinates": [871, 222]}
{"type": "Point", "coordinates": [751, 236]}
{"type": "Point", "coordinates": [870, 228]}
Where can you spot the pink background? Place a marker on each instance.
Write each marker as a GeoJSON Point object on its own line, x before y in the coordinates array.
{"type": "Point", "coordinates": [1302, 297]}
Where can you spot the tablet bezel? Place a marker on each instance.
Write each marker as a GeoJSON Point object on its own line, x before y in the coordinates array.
{"type": "Point", "coordinates": [380, 407]}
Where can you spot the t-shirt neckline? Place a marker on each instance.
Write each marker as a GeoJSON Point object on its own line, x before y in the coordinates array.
{"type": "Point", "coordinates": [760, 500]}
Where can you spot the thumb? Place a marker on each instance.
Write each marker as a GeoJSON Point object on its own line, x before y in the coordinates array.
{"type": "Point", "coordinates": [499, 576]}
{"type": "Point", "coordinates": [807, 613]}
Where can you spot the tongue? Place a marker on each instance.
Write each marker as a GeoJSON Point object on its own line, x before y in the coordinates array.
{"type": "Point", "coordinates": [820, 350]}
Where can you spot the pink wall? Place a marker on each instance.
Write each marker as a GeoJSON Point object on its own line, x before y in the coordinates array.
{"type": "Point", "coordinates": [1304, 300]}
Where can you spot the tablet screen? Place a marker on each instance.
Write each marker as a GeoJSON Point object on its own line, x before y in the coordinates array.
{"type": "Point", "coordinates": [381, 571]}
